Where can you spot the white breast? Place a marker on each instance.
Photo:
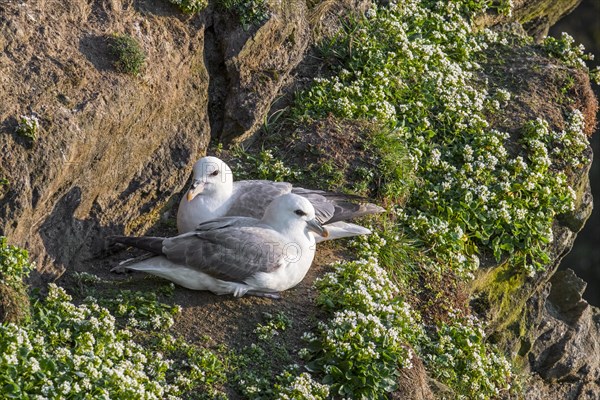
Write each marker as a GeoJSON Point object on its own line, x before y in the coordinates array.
{"type": "Point", "coordinates": [200, 209]}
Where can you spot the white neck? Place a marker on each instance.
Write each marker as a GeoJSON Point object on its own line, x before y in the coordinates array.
{"type": "Point", "coordinates": [202, 208]}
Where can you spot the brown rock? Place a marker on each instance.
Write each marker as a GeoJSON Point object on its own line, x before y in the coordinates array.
{"type": "Point", "coordinates": [110, 146]}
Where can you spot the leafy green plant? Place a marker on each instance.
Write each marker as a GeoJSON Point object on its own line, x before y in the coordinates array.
{"type": "Point", "coordinates": [14, 264]}
{"type": "Point", "coordinates": [504, 7]}
{"type": "Point", "coordinates": [573, 55]}
{"type": "Point", "coordinates": [129, 56]}
{"type": "Point", "coordinates": [250, 12]}
{"type": "Point", "coordinates": [292, 385]}
{"type": "Point", "coordinates": [193, 366]}
{"type": "Point", "coordinates": [327, 175]}
{"type": "Point", "coordinates": [274, 324]}
{"type": "Point", "coordinates": [361, 349]}
{"type": "Point", "coordinates": [190, 6]}
{"type": "Point", "coordinates": [264, 165]}
{"type": "Point", "coordinates": [28, 127]}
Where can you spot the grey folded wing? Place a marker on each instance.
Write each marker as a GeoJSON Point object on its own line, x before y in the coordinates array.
{"type": "Point", "coordinates": [333, 207]}
{"type": "Point", "coordinates": [251, 198]}
{"type": "Point", "coordinates": [231, 254]}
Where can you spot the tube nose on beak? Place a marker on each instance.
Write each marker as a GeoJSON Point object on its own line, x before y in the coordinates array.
{"type": "Point", "coordinates": [315, 226]}
{"type": "Point", "coordinates": [196, 188]}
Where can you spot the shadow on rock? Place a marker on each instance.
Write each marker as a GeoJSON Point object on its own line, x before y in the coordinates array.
{"type": "Point", "coordinates": [68, 240]}
{"type": "Point", "coordinates": [95, 49]}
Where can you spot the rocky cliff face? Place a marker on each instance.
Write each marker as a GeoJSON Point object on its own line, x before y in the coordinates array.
{"type": "Point", "coordinates": [111, 147]}
{"type": "Point", "coordinates": [113, 150]}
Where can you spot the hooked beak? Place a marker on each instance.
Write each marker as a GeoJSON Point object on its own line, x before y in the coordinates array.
{"type": "Point", "coordinates": [196, 188]}
{"type": "Point", "coordinates": [315, 226]}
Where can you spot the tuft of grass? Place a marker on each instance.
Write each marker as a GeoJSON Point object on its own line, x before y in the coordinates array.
{"type": "Point", "coordinates": [129, 56]}
{"type": "Point", "coordinates": [396, 170]}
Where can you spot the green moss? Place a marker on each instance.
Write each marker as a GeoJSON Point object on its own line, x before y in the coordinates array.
{"type": "Point", "coordinates": [142, 220]}
{"type": "Point", "coordinates": [129, 56]}
{"type": "Point", "coordinates": [500, 293]}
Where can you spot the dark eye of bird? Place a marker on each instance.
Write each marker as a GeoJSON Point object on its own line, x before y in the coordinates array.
{"type": "Point", "coordinates": [215, 173]}
{"type": "Point", "coordinates": [300, 213]}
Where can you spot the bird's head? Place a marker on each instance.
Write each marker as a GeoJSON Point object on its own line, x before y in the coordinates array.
{"type": "Point", "coordinates": [210, 176]}
{"type": "Point", "coordinates": [290, 210]}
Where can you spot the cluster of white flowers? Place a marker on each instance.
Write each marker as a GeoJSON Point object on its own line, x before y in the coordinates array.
{"type": "Point", "coordinates": [272, 327]}
{"type": "Point", "coordinates": [72, 351]}
{"type": "Point", "coordinates": [414, 66]}
{"type": "Point", "coordinates": [492, 186]}
{"type": "Point", "coordinates": [28, 126]}
{"type": "Point", "coordinates": [460, 355]}
{"type": "Point", "coordinates": [370, 289]}
{"type": "Point", "coordinates": [303, 387]}
{"type": "Point", "coordinates": [569, 52]}
{"type": "Point", "coordinates": [370, 329]}
{"type": "Point", "coordinates": [88, 348]}
{"type": "Point", "coordinates": [568, 145]}
{"type": "Point", "coordinates": [573, 55]}
{"type": "Point", "coordinates": [142, 310]}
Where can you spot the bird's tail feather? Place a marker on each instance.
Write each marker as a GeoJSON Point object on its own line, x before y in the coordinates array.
{"type": "Point", "coordinates": [148, 243]}
{"type": "Point", "coordinates": [342, 229]}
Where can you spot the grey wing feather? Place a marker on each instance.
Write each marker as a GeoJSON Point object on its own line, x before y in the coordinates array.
{"type": "Point", "coordinates": [225, 222]}
{"type": "Point", "coordinates": [334, 207]}
{"type": "Point", "coordinates": [229, 254]}
{"type": "Point", "coordinates": [251, 198]}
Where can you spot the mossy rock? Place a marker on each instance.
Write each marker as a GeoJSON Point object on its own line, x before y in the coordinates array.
{"type": "Point", "coordinates": [498, 293]}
